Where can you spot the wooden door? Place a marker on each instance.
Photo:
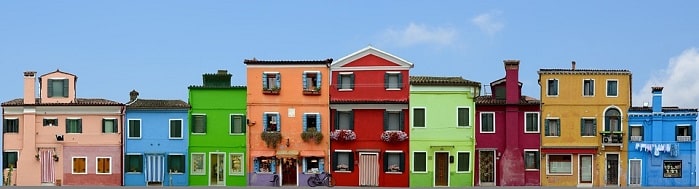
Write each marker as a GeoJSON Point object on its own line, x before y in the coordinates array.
{"type": "Point", "coordinates": [613, 169]}
{"type": "Point", "coordinates": [368, 169]}
{"type": "Point", "coordinates": [486, 168]}
{"type": "Point", "coordinates": [289, 171]}
{"type": "Point", "coordinates": [441, 170]}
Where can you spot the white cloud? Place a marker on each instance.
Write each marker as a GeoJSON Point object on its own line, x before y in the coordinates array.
{"type": "Point", "coordinates": [489, 22]}
{"type": "Point", "coordinates": [415, 34]}
{"type": "Point", "coordinates": [679, 80]}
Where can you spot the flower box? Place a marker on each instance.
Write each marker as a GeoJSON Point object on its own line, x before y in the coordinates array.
{"type": "Point", "coordinates": [271, 138]}
{"type": "Point", "coordinates": [343, 135]}
{"type": "Point", "coordinates": [394, 136]}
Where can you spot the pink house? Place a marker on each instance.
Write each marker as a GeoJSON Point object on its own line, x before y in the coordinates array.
{"type": "Point", "coordinates": [59, 139]}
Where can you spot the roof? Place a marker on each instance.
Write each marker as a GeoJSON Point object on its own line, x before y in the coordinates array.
{"type": "Point", "coordinates": [442, 81]}
{"type": "Point", "coordinates": [369, 101]}
{"type": "Point", "coordinates": [491, 100]}
{"type": "Point", "coordinates": [217, 87]}
{"type": "Point", "coordinates": [288, 62]}
{"type": "Point", "coordinates": [501, 80]}
{"type": "Point", "coordinates": [78, 102]}
{"type": "Point", "coordinates": [371, 50]}
{"type": "Point", "coordinates": [583, 71]}
{"type": "Point", "coordinates": [665, 109]}
{"type": "Point", "coordinates": [157, 104]}
{"type": "Point", "coordinates": [59, 71]}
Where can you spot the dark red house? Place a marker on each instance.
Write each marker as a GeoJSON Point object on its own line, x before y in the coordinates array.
{"type": "Point", "coordinates": [369, 108]}
{"type": "Point", "coordinates": [507, 133]}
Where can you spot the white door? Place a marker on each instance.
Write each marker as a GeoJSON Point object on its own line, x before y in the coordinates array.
{"type": "Point", "coordinates": [217, 174]}
{"type": "Point", "coordinates": [585, 168]}
{"type": "Point", "coordinates": [368, 169]}
{"type": "Point", "coordinates": [635, 173]}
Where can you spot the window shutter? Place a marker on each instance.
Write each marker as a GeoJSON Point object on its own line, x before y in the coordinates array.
{"type": "Point", "coordinates": [351, 121]}
{"type": "Point", "coordinates": [50, 88]}
{"type": "Point", "coordinates": [204, 123]}
{"type": "Point", "coordinates": [385, 80]}
{"type": "Point", "coordinates": [321, 165]}
{"type": "Point", "coordinates": [592, 87]}
{"type": "Point", "coordinates": [303, 170]}
{"type": "Point", "coordinates": [65, 88]}
{"type": "Point", "coordinates": [351, 81]}
{"type": "Point", "coordinates": [265, 123]}
{"type": "Point", "coordinates": [256, 163]}
{"type": "Point", "coordinates": [582, 127]}
{"type": "Point", "coordinates": [558, 127]}
{"type": "Point", "coordinates": [243, 123]}
{"type": "Point", "coordinates": [339, 81]}
{"type": "Point", "coordinates": [104, 124]}
{"type": "Point", "coordinates": [385, 120]}
{"type": "Point", "coordinates": [279, 80]}
{"type": "Point", "coordinates": [305, 123]}
{"type": "Point", "coordinates": [273, 168]}
{"type": "Point", "coordinates": [400, 84]}
{"type": "Point", "coordinates": [264, 81]}
{"type": "Point", "coordinates": [385, 162]}
{"type": "Point", "coordinates": [318, 80]}
{"type": "Point", "coordinates": [607, 123]}
{"type": "Point", "coordinates": [318, 122]}
{"type": "Point", "coordinates": [305, 83]}
{"type": "Point", "coordinates": [279, 123]}
{"type": "Point", "coordinates": [643, 136]}
{"type": "Point", "coordinates": [594, 126]}
{"type": "Point", "coordinates": [401, 122]}
{"type": "Point", "coordinates": [350, 165]}
{"type": "Point", "coordinates": [546, 127]}
{"type": "Point", "coordinates": [334, 162]}
{"type": "Point", "coordinates": [402, 161]}
{"type": "Point", "coordinates": [337, 120]}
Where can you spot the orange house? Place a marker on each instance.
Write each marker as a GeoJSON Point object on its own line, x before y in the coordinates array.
{"type": "Point", "coordinates": [288, 120]}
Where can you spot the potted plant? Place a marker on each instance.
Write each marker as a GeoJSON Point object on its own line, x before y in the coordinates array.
{"type": "Point", "coordinates": [394, 136]}
{"type": "Point", "coordinates": [55, 157]}
{"type": "Point", "coordinates": [312, 134]}
{"type": "Point", "coordinates": [271, 138]}
{"type": "Point", "coordinates": [343, 135]}
{"type": "Point", "coordinates": [272, 90]}
{"type": "Point", "coordinates": [342, 167]}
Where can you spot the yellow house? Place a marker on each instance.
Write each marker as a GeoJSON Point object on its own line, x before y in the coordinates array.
{"type": "Point", "coordinates": [583, 112]}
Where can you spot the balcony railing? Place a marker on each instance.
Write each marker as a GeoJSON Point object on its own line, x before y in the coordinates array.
{"type": "Point", "coordinates": [684, 138]}
{"type": "Point", "coordinates": [636, 138]}
{"type": "Point", "coordinates": [612, 138]}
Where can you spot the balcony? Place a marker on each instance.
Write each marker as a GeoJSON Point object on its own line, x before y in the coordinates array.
{"type": "Point", "coordinates": [612, 138]}
{"type": "Point", "coordinates": [684, 138]}
{"type": "Point", "coordinates": [636, 138]}
{"type": "Point", "coordinates": [315, 91]}
{"type": "Point", "coordinates": [272, 91]}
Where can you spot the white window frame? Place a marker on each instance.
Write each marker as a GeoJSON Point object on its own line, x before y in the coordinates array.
{"type": "Point", "coordinates": [169, 129]}
{"type": "Point", "coordinates": [412, 115]}
{"type": "Point", "coordinates": [394, 152]}
{"type": "Point", "coordinates": [279, 126]}
{"type": "Point", "coordinates": [621, 118]}
{"type": "Point", "coordinates": [97, 162]}
{"type": "Point", "coordinates": [191, 165]}
{"type": "Point", "coordinates": [351, 163]}
{"type": "Point", "coordinates": [558, 88]}
{"type": "Point", "coordinates": [593, 87]}
{"type": "Point", "coordinates": [230, 122]}
{"type": "Point", "coordinates": [481, 119]}
{"type": "Point", "coordinates": [305, 73]}
{"type": "Point", "coordinates": [18, 127]}
{"type": "Point", "coordinates": [592, 173]}
{"type": "Point", "coordinates": [606, 88]}
{"type": "Point", "coordinates": [193, 124]}
{"type": "Point", "coordinates": [412, 163]}
{"type": "Point", "coordinates": [559, 125]}
{"type": "Point", "coordinates": [538, 122]}
{"type": "Point", "coordinates": [470, 119]}
{"type": "Point", "coordinates": [398, 84]}
{"type": "Point", "coordinates": [340, 84]}
{"type": "Point", "coordinates": [593, 134]}
{"type": "Point", "coordinates": [242, 164]}
{"type": "Point", "coordinates": [317, 114]}
{"type": "Point", "coordinates": [142, 166]}
{"type": "Point", "coordinates": [470, 162]}
{"type": "Point", "coordinates": [72, 165]}
{"type": "Point", "coordinates": [537, 159]}
{"type": "Point", "coordinates": [128, 129]}
{"type": "Point", "coordinates": [640, 182]}
{"type": "Point", "coordinates": [548, 167]}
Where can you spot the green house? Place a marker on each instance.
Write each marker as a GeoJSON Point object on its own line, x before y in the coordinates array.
{"type": "Point", "coordinates": [442, 140]}
{"type": "Point", "coordinates": [217, 133]}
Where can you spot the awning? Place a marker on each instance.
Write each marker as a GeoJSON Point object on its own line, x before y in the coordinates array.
{"type": "Point", "coordinates": [262, 153]}
{"type": "Point", "coordinates": [312, 153]}
{"type": "Point", "coordinates": [287, 153]}
{"type": "Point", "coordinates": [569, 150]}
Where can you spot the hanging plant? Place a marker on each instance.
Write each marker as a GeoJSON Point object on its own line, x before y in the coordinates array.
{"type": "Point", "coordinates": [312, 134]}
{"type": "Point", "coordinates": [394, 136]}
{"type": "Point", "coordinates": [55, 157]}
{"type": "Point", "coordinates": [343, 135]}
{"type": "Point", "coordinates": [272, 138]}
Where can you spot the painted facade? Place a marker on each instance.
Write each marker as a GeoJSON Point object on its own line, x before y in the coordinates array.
{"type": "Point", "coordinates": [45, 141]}
{"type": "Point", "coordinates": [442, 142]}
{"type": "Point", "coordinates": [583, 116]}
{"type": "Point", "coordinates": [369, 95]}
{"type": "Point", "coordinates": [662, 144]}
{"type": "Point", "coordinates": [156, 142]}
{"type": "Point", "coordinates": [289, 121]}
{"type": "Point", "coordinates": [217, 132]}
{"type": "Point", "coordinates": [508, 133]}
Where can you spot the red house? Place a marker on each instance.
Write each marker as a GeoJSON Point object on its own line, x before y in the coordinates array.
{"type": "Point", "coordinates": [369, 108]}
{"type": "Point", "coordinates": [507, 133]}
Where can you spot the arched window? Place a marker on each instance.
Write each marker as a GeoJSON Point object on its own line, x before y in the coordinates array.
{"type": "Point", "coordinates": [612, 120]}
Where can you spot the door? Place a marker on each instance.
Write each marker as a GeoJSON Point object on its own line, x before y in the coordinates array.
{"type": "Point", "coordinates": [48, 176]}
{"type": "Point", "coordinates": [635, 172]}
{"type": "Point", "coordinates": [368, 169]}
{"type": "Point", "coordinates": [486, 168]}
{"type": "Point", "coordinates": [289, 171]}
{"type": "Point", "coordinates": [154, 169]}
{"type": "Point", "coordinates": [585, 168]}
{"type": "Point", "coordinates": [441, 169]}
{"type": "Point", "coordinates": [217, 167]}
{"type": "Point", "coordinates": [612, 169]}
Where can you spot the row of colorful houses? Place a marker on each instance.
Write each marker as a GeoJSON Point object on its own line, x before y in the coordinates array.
{"type": "Point", "coordinates": [363, 118]}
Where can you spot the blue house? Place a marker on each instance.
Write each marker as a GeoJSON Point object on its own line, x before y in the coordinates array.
{"type": "Point", "coordinates": [155, 151]}
{"type": "Point", "coordinates": [661, 144]}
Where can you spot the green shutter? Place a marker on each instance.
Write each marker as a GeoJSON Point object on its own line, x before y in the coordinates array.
{"type": "Point", "coordinates": [546, 127]}
{"type": "Point", "coordinates": [339, 81]}
{"type": "Point", "coordinates": [50, 88]}
{"type": "Point", "coordinates": [65, 88]}
{"type": "Point", "coordinates": [582, 127]}
{"type": "Point", "coordinates": [243, 124]}
{"type": "Point", "coordinates": [594, 126]}
{"type": "Point", "coordinates": [80, 125]}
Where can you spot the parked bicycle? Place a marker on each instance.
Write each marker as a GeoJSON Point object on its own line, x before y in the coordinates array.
{"type": "Point", "coordinates": [275, 180]}
{"type": "Point", "coordinates": [326, 180]}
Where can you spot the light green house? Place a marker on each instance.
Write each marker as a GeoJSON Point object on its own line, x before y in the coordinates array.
{"type": "Point", "coordinates": [442, 121]}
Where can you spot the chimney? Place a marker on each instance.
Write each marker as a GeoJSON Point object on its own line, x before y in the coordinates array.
{"type": "Point", "coordinates": [512, 90]}
{"type": "Point", "coordinates": [29, 87]}
{"type": "Point", "coordinates": [222, 72]}
{"type": "Point", "coordinates": [220, 79]}
{"type": "Point", "coordinates": [573, 65]}
{"type": "Point", "coordinates": [657, 99]}
{"type": "Point", "coordinates": [134, 95]}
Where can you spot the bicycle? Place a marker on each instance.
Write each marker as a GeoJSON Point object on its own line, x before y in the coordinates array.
{"type": "Point", "coordinates": [275, 180]}
{"type": "Point", "coordinates": [326, 180]}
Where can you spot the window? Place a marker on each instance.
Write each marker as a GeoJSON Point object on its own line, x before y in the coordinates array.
{"type": "Point", "coordinates": [9, 159]}
{"type": "Point", "coordinates": [198, 164]}
{"type": "Point", "coordinates": [104, 165]}
{"type": "Point", "coordinates": [271, 81]}
{"type": "Point", "coordinates": [393, 162]}
{"type": "Point", "coordinates": [134, 163]}
{"type": "Point", "coordinates": [532, 122]}
{"type": "Point", "coordinates": [175, 129]}
{"type": "Point", "coordinates": [109, 125]}
{"type": "Point", "coordinates": [50, 122]}
{"type": "Point", "coordinates": [311, 122]}
{"type": "Point", "coordinates": [236, 165]}
{"type": "Point", "coordinates": [313, 165]}
{"type": "Point", "coordinates": [612, 88]}
{"type": "Point", "coordinates": [419, 117]}
{"type": "Point", "coordinates": [588, 127]}
{"type": "Point", "coordinates": [560, 164]}
{"type": "Point", "coordinates": [462, 117]}
{"type": "Point", "coordinates": [343, 161]}
{"type": "Point", "coordinates": [672, 169]}
{"type": "Point", "coordinates": [311, 81]}
{"type": "Point", "coordinates": [487, 122]}
{"type": "Point", "coordinates": [344, 120]}
{"type": "Point", "coordinates": [238, 123]}
{"type": "Point", "coordinates": [199, 124]}
{"type": "Point", "coordinates": [635, 172]}
{"type": "Point", "coordinates": [552, 89]}
{"type": "Point", "coordinates": [272, 122]}
{"type": "Point", "coordinates": [58, 88]}
{"type": "Point", "coordinates": [588, 87]}
{"type": "Point", "coordinates": [74, 125]}
{"type": "Point", "coordinates": [393, 121]}
{"type": "Point", "coordinates": [175, 163]}
{"type": "Point", "coordinates": [11, 125]}
{"type": "Point", "coordinates": [612, 120]}
{"type": "Point", "coordinates": [531, 159]}
{"type": "Point", "coordinates": [420, 162]}
{"type": "Point", "coordinates": [265, 165]}
{"type": "Point", "coordinates": [684, 133]}
{"type": "Point", "coordinates": [553, 127]}
{"type": "Point", "coordinates": [79, 165]}
{"type": "Point", "coordinates": [345, 81]}
{"type": "Point", "coordinates": [393, 80]}
{"type": "Point", "coordinates": [134, 128]}
{"type": "Point", "coordinates": [463, 162]}
{"type": "Point", "coordinates": [636, 133]}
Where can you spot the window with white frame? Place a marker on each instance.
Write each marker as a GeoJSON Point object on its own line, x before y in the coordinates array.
{"type": "Point", "coordinates": [394, 162]}
{"type": "Point", "coordinates": [552, 87]}
{"type": "Point", "coordinates": [463, 115]}
{"type": "Point", "coordinates": [198, 124]}
{"type": "Point", "coordinates": [588, 127]}
{"type": "Point", "coordinates": [134, 128]}
{"type": "Point", "coordinates": [419, 162]}
{"type": "Point", "coordinates": [635, 172]}
{"type": "Point", "coordinates": [265, 165]}
{"type": "Point", "coordinates": [345, 81]}
{"type": "Point", "coordinates": [271, 121]}
{"type": "Point", "coordinates": [636, 133]}
{"type": "Point", "coordinates": [393, 80]}
{"type": "Point", "coordinates": [553, 127]}
{"type": "Point", "coordinates": [612, 118]}
{"type": "Point", "coordinates": [313, 164]}
{"type": "Point", "coordinates": [393, 120]}
{"type": "Point", "coordinates": [237, 164]}
{"type": "Point", "coordinates": [588, 87]}
{"type": "Point", "coordinates": [271, 81]}
{"type": "Point", "coordinates": [531, 159]}
{"type": "Point", "coordinates": [612, 88]}
{"type": "Point", "coordinates": [74, 125]}
{"type": "Point", "coordinates": [463, 161]}
{"type": "Point", "coordinates": [176, 129]}
{"type": "Point", "coordinates": [343, 161]}
{"type": "Point", "coordinates": [311, 81]}
{"type": "Point", "coordinates": [683, 133]}
{"type": "Point", "coordinates": [238, 123]}
{"type": "Point", "coordinates": [198, 164]}
{"type": "Point", "coordinates": [419, 117]}
{"type": "Point", "coordinates": [175, 163]}
{"type": "Point", "coordinates": [560, 164]}
{"type": "Point", "coordinates": [104, 165]}
{"type": "Point", "coordinates": [134, 163]}
{"type": "Point", "coordinates": [311, 122]}
{"type": "Point", "coordinates": [531, 124]}
{"type": "Point", "coordinates": [487, 122]}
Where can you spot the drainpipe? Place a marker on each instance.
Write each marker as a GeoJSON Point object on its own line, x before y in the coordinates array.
{"type": "Point", "coordinates": [122, 144]}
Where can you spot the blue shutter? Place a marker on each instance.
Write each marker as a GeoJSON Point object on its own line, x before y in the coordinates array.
{"type": "Point", "coordinates": [351, 81]}
{"type": "Point", "coordinates": [305, 83]}
{"type": "Point", "coordinates": [318, 122]}
{"type": "Point", "coordinates": [305, 123]}
{"type": "Point", "coordinates": [279, 81]}
{"type": "Point", "coordinates": [256, 162]}
{"type": "Point", "coordinates": [279, 123]}
{"type": "Point", "coordinates": [265, 122]}
{"type": "Point", "coordinates": [50, 88]}
{"type": "Point", "coordinates": [264, 81]}
{"type": "Point", "coordinates": [303, 169]}
{"type": "Point", "coordinates": [274, 166]}
{"type": "Point", "coordinates": [318, 79]}
{"type": "Point", "coordinates": [321, 165]}
{"type": "Point", "coordinates": [351, 119]}
{"type": "Point", "coordinates": [385, 80]}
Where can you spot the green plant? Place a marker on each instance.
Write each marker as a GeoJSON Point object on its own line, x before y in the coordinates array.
{"type": "Point", "coordinates": [8, 179]}
{"type": "Point", "coordinates": [271, 138]}
{"type": "Point", "coordinates": [312, 134]}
